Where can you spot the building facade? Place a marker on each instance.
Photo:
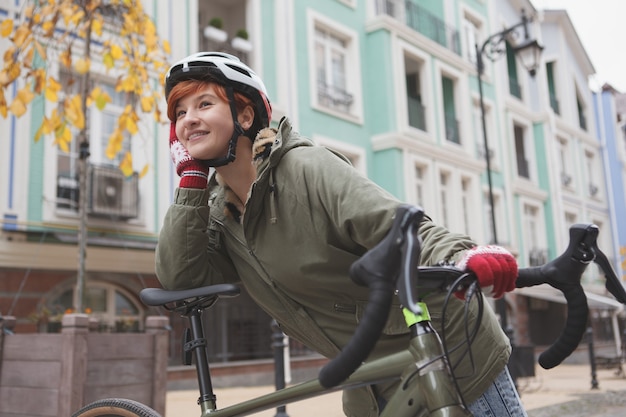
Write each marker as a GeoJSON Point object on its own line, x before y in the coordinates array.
{"type": "Point", "coordinates": [391, 84]}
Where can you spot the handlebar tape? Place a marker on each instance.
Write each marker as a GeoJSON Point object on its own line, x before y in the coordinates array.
{"type": "Point", "coordinates": [563, 274]}
{"type": "Point", "coordinates": [364, 338]}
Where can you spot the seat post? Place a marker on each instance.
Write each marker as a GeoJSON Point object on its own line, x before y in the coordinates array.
{"type": "Point", "coordinates": [198, 345]}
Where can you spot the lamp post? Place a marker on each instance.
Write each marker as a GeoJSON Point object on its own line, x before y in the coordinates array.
{"type": "Point", "coordinates": [529, 51]}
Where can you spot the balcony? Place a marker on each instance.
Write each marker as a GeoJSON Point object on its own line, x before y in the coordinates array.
{"type": "Point", "coordinates": [554, 103]}
{"type": "Point", "coordinates": [582, 120]}
{"type": "Point", "coordinates": [514, 88]}
{"type": "Point", "coordinates": [221, 28]}
{"type": "Point", "coordinates": [417, 113]}
{"type": "Point", "coordinates": [422, 21]}
{"type": "Point", "coordinates": [452, 128]}
{"type": "Point", "coordinates": [334, 97]}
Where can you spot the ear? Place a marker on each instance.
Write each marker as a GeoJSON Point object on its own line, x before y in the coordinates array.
{"type": "Point", "coordinates": [246, 117]}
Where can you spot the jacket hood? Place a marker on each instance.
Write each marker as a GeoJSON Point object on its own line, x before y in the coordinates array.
{"type": "Point", "coordinates": [269, 147]}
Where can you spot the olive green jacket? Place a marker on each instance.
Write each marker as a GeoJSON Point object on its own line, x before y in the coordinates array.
{"type": "Point", "coordinates": [308, 217]}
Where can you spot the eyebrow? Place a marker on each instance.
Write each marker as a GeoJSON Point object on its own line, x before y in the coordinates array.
{"type": "Point", "coordinates": [202, 96]}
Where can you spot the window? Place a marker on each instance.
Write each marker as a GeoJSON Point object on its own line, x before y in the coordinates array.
{"type": "Point", "coordinates": [523, 169]}
{"type": "Point", "coordinates": [570, 219]}
{"type": "Point", "coordinates": [114, 308]}
{"type": "Point", "coordinates": [514, 86]}
{"type": "Point", "coordinates": [582, 111]}
{"type": "Point", "coordinates": [415, 102]}
{"type": "Point", "coordinates": [537, 255]}
{"type": "Point", "coordinates": [493, 237]}
{"type": "Point", "coordinates": [592, 167]}
{"type": "Point", "coordinates": [331, 68]}
{"type": "Point", "coordinates": [478, 132]}
{"type": "Point", "coordinates": [419, 184]}
{"type": "Point", "coordinates": [449, 110]}
{"type": "Point", "coordinates": [567, 178]}
{"type": "Point", "coordinates": [466, 203]}
{"type": "Point", "coordinates": [444, 199]}
{"type": "Point", "coordinates": [471, 31]}
{"type": "Point", "coordinates": [554, 102]}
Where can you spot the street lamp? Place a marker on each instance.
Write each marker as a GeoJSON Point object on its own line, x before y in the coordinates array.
{"type": "Point", "coordinates": [529, 52]}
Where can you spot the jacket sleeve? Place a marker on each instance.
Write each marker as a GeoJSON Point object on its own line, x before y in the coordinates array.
{"type": "Point", "coordinates": [184, 257]}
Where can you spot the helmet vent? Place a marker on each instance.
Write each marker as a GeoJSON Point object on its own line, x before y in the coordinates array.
{"type": "Point", "coordinates": [239, 69]}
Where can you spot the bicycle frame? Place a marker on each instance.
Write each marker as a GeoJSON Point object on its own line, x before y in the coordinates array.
{"type": "Point", "coordinates": [423, 359]}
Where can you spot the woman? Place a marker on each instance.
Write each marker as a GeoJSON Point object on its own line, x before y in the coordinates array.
{"type": "Point", "coordinates": [286, 219]}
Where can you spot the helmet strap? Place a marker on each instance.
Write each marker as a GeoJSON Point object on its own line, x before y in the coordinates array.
{"type": "Point", "coordinates": [237, 131]}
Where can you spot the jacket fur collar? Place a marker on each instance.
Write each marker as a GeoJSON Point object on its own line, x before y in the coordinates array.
{"type": "Point", "coordinates": [261, 149]}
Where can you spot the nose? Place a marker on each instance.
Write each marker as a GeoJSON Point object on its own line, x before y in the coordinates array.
{"type": "Point", "coordinates": [190, 118]}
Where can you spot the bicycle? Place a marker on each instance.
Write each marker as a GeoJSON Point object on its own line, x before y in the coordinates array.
{"type": "Point", "coordinates": [428, 386]}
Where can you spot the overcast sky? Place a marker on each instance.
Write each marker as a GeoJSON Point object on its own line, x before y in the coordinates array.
{"type": "Point", "coordinates": [601, 28]}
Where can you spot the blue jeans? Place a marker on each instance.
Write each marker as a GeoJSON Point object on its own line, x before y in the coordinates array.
{"type": "Point", "coordinates": [500, 399]}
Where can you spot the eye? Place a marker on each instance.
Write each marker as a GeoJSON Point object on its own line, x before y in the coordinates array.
{"type": "Point", "coordinates": [205, 103]}
{"type": "Point", "coordinates": [180, 114]}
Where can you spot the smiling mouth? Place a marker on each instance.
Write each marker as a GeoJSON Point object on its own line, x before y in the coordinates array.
{"type": "Point", "coordinates": [196, 135]}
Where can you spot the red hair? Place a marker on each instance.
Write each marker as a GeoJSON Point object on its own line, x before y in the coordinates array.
{"type": "Point", "coordinates": [187, 87]}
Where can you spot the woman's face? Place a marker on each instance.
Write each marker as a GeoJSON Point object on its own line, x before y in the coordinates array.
{"type": "Point", "coordinates": [204, 123]}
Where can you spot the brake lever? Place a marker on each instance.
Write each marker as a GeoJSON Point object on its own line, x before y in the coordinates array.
{"type": "Point", "coordinates": [410, 251]}
{"type": "Point", "coordinates": [613, 284]}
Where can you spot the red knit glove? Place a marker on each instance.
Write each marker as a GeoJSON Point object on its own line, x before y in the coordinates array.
{"type": "Point", "coordinates": [193, 173]}
{"type": "Point", "coordinates": [495, 268]}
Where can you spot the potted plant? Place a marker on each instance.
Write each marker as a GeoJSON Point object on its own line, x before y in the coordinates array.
{"type": "Point", "coordinates": [241, 42]}
{"type": "Point", "coordinates": [48, 320]}
{"type": "Point", "coordinates": [214, 30]}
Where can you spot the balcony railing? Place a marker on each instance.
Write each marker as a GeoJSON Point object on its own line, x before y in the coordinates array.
{"type": "Point", "coordinates": [417, 113]}
{"type": "Point", "coordinates": [334, 97]}
{"type": "Point", "coordinates": [523, 169]}
{"type": "Point", "coordinates": [452, 128]}
{"type": "Point", "coordinates": [514, 88]}
{"type": "Point", "coordinates": [422, 21]}
{"type": "Point", "coordinates": [582, 120]}
{"type": "Point", "coordinates": [554, 103]}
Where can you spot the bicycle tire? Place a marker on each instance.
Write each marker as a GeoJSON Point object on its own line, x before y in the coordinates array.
{"type": "Point", "coordinates": [116, 407]}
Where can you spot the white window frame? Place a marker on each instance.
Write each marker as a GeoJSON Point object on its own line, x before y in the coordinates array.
{"type": "Point", "coordinates": [492, 142]}
{"type": "Point", "coordinates": [352, 61]}
{"type": "Point", "coordinates": [567, 176]}
{"type": "Point", "coordinates": [424, 184]}
{"type": "Point", "coordinates": [498, 208]}
{"type": "Point", "coordinates": [473, 34]}
{"type": "Point", "coordinates": [408, 51]}
{"type": "Point", "coordinates": [461, 90]}
{"type": "Point", "coordinates": [529, 149]}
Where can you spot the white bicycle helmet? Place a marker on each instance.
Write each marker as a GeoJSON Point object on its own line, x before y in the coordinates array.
{"type": "Point", "coordinates": [234, 75]}
{"type": "Point", "coordinates": [226, 69]}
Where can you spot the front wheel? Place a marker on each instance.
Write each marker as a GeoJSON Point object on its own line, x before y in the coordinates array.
{"type": "Point", "coordinates": [116, 407]}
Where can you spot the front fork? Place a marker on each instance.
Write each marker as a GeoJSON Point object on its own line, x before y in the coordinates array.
{"type": "Point", "coordinates": [427, 388]}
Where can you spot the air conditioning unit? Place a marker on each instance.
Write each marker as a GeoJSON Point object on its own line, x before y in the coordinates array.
{"type": "Point", "coordinates": [112, 194]}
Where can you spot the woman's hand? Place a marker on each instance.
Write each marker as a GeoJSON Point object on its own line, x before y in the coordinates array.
{"type": "Point", "coordinates": [193, 172]}
{"type": "Point", "coordinates": [495, 268]}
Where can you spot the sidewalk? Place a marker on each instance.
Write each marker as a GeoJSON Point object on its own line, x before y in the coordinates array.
{"type": "Point", "coordinates": [564, 390]}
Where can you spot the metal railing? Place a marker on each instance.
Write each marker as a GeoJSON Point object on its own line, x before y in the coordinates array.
{"type": "Point", "coordinates": [422, 21]}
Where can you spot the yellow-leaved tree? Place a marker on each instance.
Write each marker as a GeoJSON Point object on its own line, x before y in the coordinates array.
{"type": "Point", "coordinates": [83, 37]}
{"type": "Point", "coordinates": [117, 33]}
